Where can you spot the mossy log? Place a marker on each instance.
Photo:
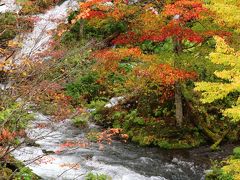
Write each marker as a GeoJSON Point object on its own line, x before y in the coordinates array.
{"type": "Point", "coordinates": [198, 120]}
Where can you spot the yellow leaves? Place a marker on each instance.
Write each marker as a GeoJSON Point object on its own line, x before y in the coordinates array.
{"type": "Point", "coordinates": [24, 74]}
{"type": "Point", "coordinates": [227, 12]}
{"type": "Point", "coordinates": [222, 46]}
{"type": "Point", "coordinates": [82, 15]}
{"type": "Point", "coordinates": [232, 167]}
{"type": "Point", "coordinates": [13, 44]}
{"type": "Point", "coordinates": [148, 21]}
{"type": "Point", "coordinates": [2, 51]}
{"type": "Point", "coordinates": [214, 91]}
{"type": "Point", "coordinates": [10, 45]}
{"type": "Point", "coordinates": [229, 75]}
{"type": "Point", "coordinates": [233, 113]}
{"type": "Point", "coordinates": [60, 33]}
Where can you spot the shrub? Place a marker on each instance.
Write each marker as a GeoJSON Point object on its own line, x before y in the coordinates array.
{"type": "Point", "coordinates": [81, 120]}
{"type": "Point", "coordinates": [91, 176]}
{"type": "Point", "coordinates": [86, 87]}
{"type": "Point", "coordinates": [236, 152]}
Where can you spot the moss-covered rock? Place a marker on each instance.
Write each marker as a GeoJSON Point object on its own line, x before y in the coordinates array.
{"type": "Point", "coordinates": [16, 170]}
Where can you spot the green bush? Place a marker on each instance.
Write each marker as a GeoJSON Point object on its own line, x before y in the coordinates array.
{"type": "Point", "coordinates": [81, 120]}
{"type": "Point", "coordinates": [92, 136]}
{"type": "Point", "coordinates": [26, 174]}
{"type": "Point", "coordinates": [152, 47]}
{"type": "Point", "coordinates": [86, 87]}
{"type": "Point", "coordinates": [98, 105]}
{"type": "Point", "coordinates": [106, 28]}
{"type": "Point", "coordinates": [7, 26]}
{"type": "Point", "coordinates": [236, 152]}
{"type": "Point", "coordinates": [91, 176]}
{"type": "Point", "coordinates": [218, 174]}
{"type": "Point", "coordinates": [17, 117]}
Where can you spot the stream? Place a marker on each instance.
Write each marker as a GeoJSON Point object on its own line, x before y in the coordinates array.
{"type": "Point", "coordinates": [121, 161]}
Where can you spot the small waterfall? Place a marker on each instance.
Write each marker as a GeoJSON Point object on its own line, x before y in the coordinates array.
{"type": "Point", "coordinates": [9, 6]}
{"type": "Point", "coordinates": [39, 39]}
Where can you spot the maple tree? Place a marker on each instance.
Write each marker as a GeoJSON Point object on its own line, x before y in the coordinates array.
{"type": "Point", "coordinates": [175, 22]}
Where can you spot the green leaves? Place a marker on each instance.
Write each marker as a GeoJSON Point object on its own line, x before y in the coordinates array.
{"type": "Point", "coordinates": [85, 86]}
{"type": "Point", "coordinates": [156, 48]}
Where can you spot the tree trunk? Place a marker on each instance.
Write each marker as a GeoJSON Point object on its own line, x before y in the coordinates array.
{"type": "Point", "coordinates": [178, 92]}
{"type": "Point", "coordinates": [178, 104]}
{"type": "Point", "coordinates": [81, 35]}
{"type": "Point", "coordinates": [198, 120]}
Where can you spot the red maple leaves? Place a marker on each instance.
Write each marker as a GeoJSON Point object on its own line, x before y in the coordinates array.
{"type": "Point", "coordinates": [165, 74]}
{"type": "Point", "coordinates": [173, 29]}
{"type": "Point", "coordinates": [186, 9]}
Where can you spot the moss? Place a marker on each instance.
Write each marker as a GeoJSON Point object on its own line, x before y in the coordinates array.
{"type": "Point", "coordinates": [236, 152]}
{"type": "Point", "coordinates": [150, 131]}
{"type": "Point", "coordinates": [93, 136]}
{"type": "Point", "coordinates": [91, 176]}
{"type": "Point", "coordinates": [228, 169]}
{"type": "Point", "coordinates": [5, 173]}
{"type": "Point", "coordinates": [218, 174]}
{"type": "Point", "coordinates": [16, 170]}
{"type": "Point", "coordinates": [7, 26]}
{"type": "Point", "coordinates": [143, 138]}
{"type": "Point", "coordinates": [81, 120]}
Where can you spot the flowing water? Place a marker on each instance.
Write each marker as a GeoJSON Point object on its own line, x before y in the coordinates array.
{"type": "Point", "coordinates": [39, 39]}
{"type": "Point", "coordinates": [121, 161]}
{"type": "Point", "coordinates": [8, 6]}
{"type": "Point", "coordinates": [118, 160]}
{"type": "Point", "coordinates": [125, 161]}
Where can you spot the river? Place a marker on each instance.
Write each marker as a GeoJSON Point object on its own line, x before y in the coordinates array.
{"type": "Point", "coordinates": [121, 161]}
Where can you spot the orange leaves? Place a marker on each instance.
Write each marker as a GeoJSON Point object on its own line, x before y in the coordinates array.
{"type": "Point", "coordinates": [104, 8]}
{"type": "Point", "coordinates": [117, 14]}
{"type": "Point", "coordinates": [126, 38]}
{"type": "Point", "coordinates": [183, 11]}
{"type": "Point", "coordinates": [221, 34]}
{"type": "Point", "coordinates": [186, 9]}
{"type": "Point", "coordinates": [89, 14]}
{"type": "Point", "coordinates": [109, 59]}
{"type": "Point", "coordinates": [117, 54]}
{"type": "Point", "coordinates": [71, 144]}
{"type": "Point", "coordinates": [159, 79]}
{"type": "Point", "coordinates": [92, 9]}
{"type": "Point", "coordinates": [90, 3]}
{"type": "Point", "coordinates": [164, 74]}
{"type": "Point", "coordinates": [109, 134]}
{"type": "Point", "coordinates": [172, 29]}
{"type": "Point", "coordinates": [52, 93]}
{"type": "Point", "coordinates": [6, 136]}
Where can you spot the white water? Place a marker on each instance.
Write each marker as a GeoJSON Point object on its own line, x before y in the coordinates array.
{"type": "Point", "coordinates": [9, 6]}
{"type": "Point", "coordinates": [38, 40]}
{"type": "Point", "coordinates": [120, 161]}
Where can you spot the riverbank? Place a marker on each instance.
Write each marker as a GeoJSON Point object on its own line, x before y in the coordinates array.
{"type": "Point", "coordinates": [108, 89]}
